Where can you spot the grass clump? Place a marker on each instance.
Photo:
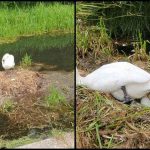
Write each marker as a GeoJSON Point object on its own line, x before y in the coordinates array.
{"type": "Point", "coordinates": [54, 97]}
{"type": "Point", "coordinates": [140, 49]}
{"type": "Point", "coordinates": [26, 61]}
{"type": "Point", "coordinates": [8, 106]}
{"type": "Point", "coordinates": [103, 122]}
{"type": "Point", "coordinates": [82, 41]}
{"type": "Point", "coordinates": [94, 40]}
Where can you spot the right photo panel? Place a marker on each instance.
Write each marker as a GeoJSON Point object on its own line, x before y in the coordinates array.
{"type": "Point", "coordinates": [112, 74]}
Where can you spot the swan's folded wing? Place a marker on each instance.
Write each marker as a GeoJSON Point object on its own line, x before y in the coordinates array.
{"type": "Point", "coordinates": [112, 78]}
{"type": "Point", "coordinates": [135, 74]}
{"type": "Point", "coordinates": [127, 72]}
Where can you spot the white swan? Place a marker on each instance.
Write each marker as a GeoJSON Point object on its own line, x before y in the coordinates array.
{"type": "Point", "coordinates": [145, 101]}
{"type": "Point", "coordinates": [8, 61]}
{"type": "Point", "coordinates": [122, 79]}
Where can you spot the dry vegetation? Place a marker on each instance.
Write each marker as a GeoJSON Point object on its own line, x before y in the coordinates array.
{"type": "Point", "coordinates": [24, 105]}
{"type": "Point", "coordinates": [102, 121]}
{"type": "Point", "coordinates": [17, 84]}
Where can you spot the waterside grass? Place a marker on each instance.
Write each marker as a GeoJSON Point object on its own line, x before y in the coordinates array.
{"type": "Point", "coordinates": [38, 19]}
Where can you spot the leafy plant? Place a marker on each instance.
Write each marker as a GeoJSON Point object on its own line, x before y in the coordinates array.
{"type": "Point", "coordinates": [7, 106]}
{"type": "Point", "coordinates": [26, 61]}
{"type": "Point", "coordinates": [140, 49]}
{"type": "Point", "coordinates": [54, 97]}
{"type": "Point", "coordinates": [82, 40]}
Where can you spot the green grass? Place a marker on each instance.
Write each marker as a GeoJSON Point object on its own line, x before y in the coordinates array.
{"type": "Point", "coordinates": [38, 19]}
{"type": "Point", "coordinates": [140, 49]}
{"type": "Point", "coordinates": [95, 40]}
{"type": "Point", "coordinates": [26, 61]}
{"type": "Point", "coordinates": [103, 122]}
{"type": "Point", "coordinates": [8, 106]}
{"type": "Point", "coordinates": [54, 97]}
{"type": "Point", "coordinates": [16, 143]}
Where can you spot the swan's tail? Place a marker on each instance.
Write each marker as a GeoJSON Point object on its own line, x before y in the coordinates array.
{"type": "Point", "coordinates": [78, 78]}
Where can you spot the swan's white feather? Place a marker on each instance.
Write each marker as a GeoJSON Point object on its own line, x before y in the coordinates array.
{"type": "Point", "coordinates": [8, 61]}
{"type": "Point", "coordinates": [145, 101]}
{"type": "Point", "coordinates": [111, 77]}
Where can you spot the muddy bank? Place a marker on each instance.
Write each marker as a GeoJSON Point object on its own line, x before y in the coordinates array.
{"type": "Point", "coordinates": [62, 81]}
{"type": "Point", "coordinates": [61, 141]}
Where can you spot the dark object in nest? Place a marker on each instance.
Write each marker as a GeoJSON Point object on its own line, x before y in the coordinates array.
{"type": "Point", "coordinates": [122, 48]}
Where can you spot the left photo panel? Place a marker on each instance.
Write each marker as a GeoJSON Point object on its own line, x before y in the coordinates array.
{"type": "Point", "coordinates": [37, 53]}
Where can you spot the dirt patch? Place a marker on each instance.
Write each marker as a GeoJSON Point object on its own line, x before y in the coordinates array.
{"type": "Point", "coordinates": [63, 81]}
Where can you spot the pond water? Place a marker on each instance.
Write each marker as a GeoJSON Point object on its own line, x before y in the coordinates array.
{"type": "Point", "coordinates": [56, 51]}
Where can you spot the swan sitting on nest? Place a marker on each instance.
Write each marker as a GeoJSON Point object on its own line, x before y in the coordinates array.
{"type": "Point", "coordinates": [123, 80]}
{"type": "Point", "coordinates": [8, 61]}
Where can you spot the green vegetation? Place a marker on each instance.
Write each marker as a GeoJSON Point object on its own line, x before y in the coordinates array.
{"type": "Point", "coordinates": [140, 49]}
{"type": "Point", "coordinates": [122, 18]}
{"type": "Point", "coordinates": [35, 114]}
{"type": "Point", "coordinates": [17, 142]}
{"type": "Point", "coordinates": [8, 105]}
{"type": "Point", "coordinates": [102, 121]}
{"type": "Point", "coordinates": [94, 40]}
{"type": "Point", "coordinates": [26, 61]}
{"type": "Point", "coordinates": [55, 97]}
{"type": "Point", "coordinates": [35, 19]}
{"type": "Point", "coordinates": [27, 140]}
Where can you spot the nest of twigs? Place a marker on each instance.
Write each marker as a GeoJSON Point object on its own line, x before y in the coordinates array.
{"type": "Point", "coordinates": [103, 122]}
{"type": "Point", "coordinates": [16, 84]}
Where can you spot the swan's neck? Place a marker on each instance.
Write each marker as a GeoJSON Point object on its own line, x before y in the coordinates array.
{"type": "Point", "coordinates": [79, 80]}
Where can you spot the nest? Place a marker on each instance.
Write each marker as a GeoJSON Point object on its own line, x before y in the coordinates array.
{"type": "Point", "coordinates": [16, 84]}
{"type": "Point", "coordinates": [101, 119]}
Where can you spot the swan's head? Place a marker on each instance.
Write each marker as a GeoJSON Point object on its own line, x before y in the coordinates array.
{"type": "Point", "coordinates": [8, 61]}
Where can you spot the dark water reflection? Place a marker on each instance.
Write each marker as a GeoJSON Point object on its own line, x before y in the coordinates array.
{"type": "Point", "coordinates": [51, 50]}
